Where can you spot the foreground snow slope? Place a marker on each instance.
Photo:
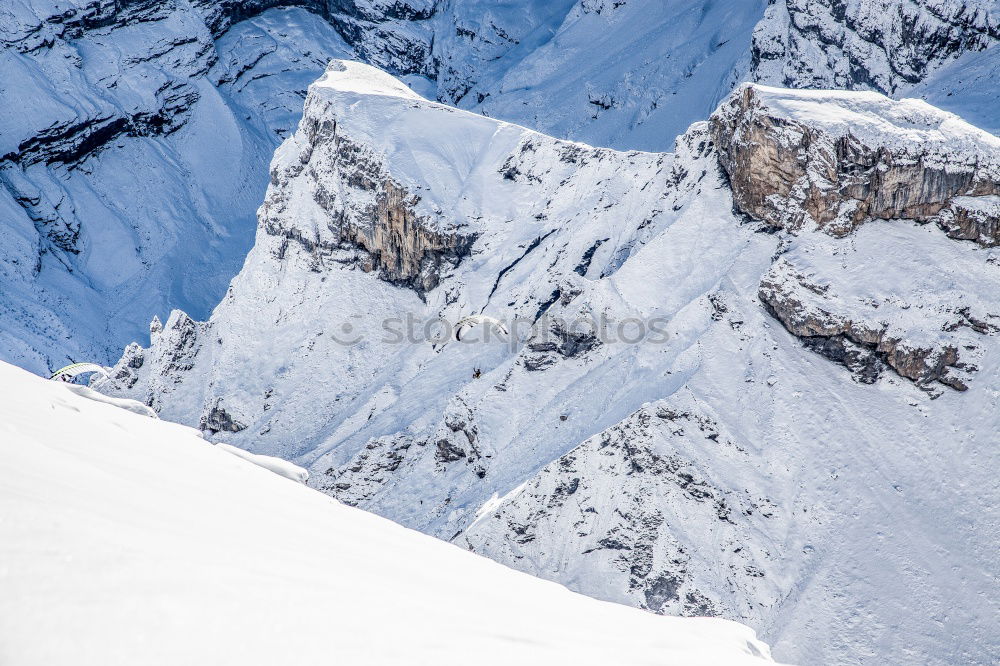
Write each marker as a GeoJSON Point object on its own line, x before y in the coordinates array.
{"type": "Point", "coordinates": [127, 540]}
{"type": "Point", "coordinates": [816, 419]}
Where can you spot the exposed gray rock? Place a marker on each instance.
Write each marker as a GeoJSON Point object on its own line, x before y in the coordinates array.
{"type": "Point", "coordinates": [152, 374]}
{"type": "Point", "coordinates": [219, 420]}
{"type": "Point", "coordinates": [972, 218]}
{"type": "Point", "coordinates": [385, 235]}
{"type": "Point", "coordinates": [789, 174]}
{"type": "Point", "coordinates": [864, 346]}
{"type": "Point", "coordinates": [604, 489]}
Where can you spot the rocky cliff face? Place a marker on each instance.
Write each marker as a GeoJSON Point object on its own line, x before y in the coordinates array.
{"type": "Point", "coordinates": [816, 163]}
{"type": "Point", "coordinates": [652, 430]}
{"type": "Point", "coordinates": [933, 347]}
{"type": "Point", "coordinates": [386, 234]}
{"type": "Point", "coordinates": [790, 173]}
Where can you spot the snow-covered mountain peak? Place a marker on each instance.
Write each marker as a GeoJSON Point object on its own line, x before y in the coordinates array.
{"type": "Point", "coordinates": [837, 159]}
{"type": "Point", "coordinates": [404, 187]}
{"type": "Point", "coordinates": [358, 77]}
{"type": "Point", "coordinates": [872, 118]}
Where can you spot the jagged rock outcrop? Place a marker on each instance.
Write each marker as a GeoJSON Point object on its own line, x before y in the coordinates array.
{"type": "Point", "coordinates": [157, 376]}
{"type": "Point", "coordinates": [835, 173]}
{"type": "Point", "coordinates": [867, 341]}
{"type": "Point", "coordinates": [603, 487]}
{"type": "Point", "coordinates": [816, 160]}
{"type": "Point", "coordinates": [386, 234]}
{"type": "Point", "coordinates": [971, 218]}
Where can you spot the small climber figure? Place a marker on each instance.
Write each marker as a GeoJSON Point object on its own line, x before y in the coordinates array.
{"type": "Point", "coordinates": [476, 374]}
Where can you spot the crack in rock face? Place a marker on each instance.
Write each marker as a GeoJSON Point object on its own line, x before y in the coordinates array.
{"type": "Point", "coordinates": [790, 175]}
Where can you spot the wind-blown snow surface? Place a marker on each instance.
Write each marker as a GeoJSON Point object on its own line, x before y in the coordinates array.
{"type": "Point", "coordinates": [718, 468]}
{"type": "Point", "coordinates": [127, 540]}
{"type": "Point", "coordinates": [627, 75]}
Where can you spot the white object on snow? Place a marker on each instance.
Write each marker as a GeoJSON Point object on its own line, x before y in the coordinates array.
{"type": "Point", "coordinates": [133, 406]}
{"type": "Point", "coordinates": [74, 370]}
{"type": "Point", "coordinates": [276, 465]}
{"type": "Point", "coordinates": [466, 324]}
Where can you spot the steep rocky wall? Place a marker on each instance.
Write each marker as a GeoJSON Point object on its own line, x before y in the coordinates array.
{"type": "Point", "coordinates": [371, 219]}
{"type": "Point", "coordinates": [832, 174]}
{"type": "Point", "coordinates": [789, 174]}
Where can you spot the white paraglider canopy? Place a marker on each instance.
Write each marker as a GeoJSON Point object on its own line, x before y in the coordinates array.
{"type": "Point", "coordinates": [466, 324]}
{"type": "Point", "coordinates": [70, 372]}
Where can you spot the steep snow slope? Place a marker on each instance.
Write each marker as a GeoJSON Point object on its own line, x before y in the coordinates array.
{"type": "Point", "coordinates": [130, 186]}
{"type": "Point", "coordinates": [705, 452]}
{"type": "Point", "coordinates": [628, 75]}
{"type": "Point", "coordinates": [634, 75]}
{"type": "Point", "coordinates": [884, 45]}
{"type": "Point", "coordinates": [967, 87]}
{"type": "Point", "coordinates": [127, 540]}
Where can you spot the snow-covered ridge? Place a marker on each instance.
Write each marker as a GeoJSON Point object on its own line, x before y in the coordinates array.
{"type": "Point", "coordinates": [757, 468]}
{"type": "Point", "coordinates": [875, 119]}
{"type": "Point", "coordinates": [150, 121]}
{"type": "Point", "coordinates": [351, 76]}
